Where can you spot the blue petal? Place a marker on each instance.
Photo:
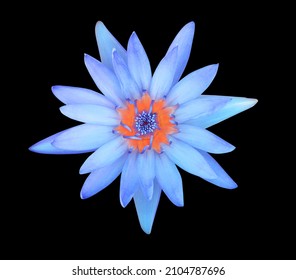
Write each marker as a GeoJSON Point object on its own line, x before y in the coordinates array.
{"type": "Point", "coordinates": [231, 108]}
{"type": "Point", "coordinates": [189, 159]}
{"type": "Point", "coordinates": [163, 76]}
{"type": "Point", "coordinates": [105, 155]}
{"type": "Point", "coordinates": [203, 139]}
{"type": "Point", "coordinates": [76, 95]}
{"type": "Point", "coordinates": [129, 180]}
{"type": "Point", "coordinates": [84, 137]}
{"type": "Point", "coordinates": [184, 42]}
{"type": "Point", "coordinates": [106, 43]}
{"type": "Point", "coordinates": [223, 180]}
{"type": "Point", "coordinates": [169, 179]}
{"type": "Point", "coordinates": [45, 146]}
{"type": "Point", "coordinates": [199, 107]}
{"type": "Point", "coordinates": [93, 114]}
{"type": "Point", "coordinates": [105, 79]}
{"type": "Point", "coordinates": [138, 62]}
{"type": "Point", "coordinates": [146, 209]}
{"type": "Point", "coordinates": [192, 86]}
{"type": "Point", "coordinates": [146, 170]}
{"type": "Point", "coordinates": [101, 178]}
{"type": "Point", "coordinates": [129, 87]}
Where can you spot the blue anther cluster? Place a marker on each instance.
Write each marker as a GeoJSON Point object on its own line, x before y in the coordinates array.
{"type": "Point", "coordinates": [145, 123]}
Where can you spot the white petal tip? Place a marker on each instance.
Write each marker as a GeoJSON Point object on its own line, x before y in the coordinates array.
{"type": "Point", "coordinates": [83, 170]}
{"type": "Point", "coordinates": [249, 102]}
{"type": "Point", "coordinates": [32, 148]}
{"type": "Point", "coordinates": [134, 37]}
{"type": "Point", "coordinates": [229, 185]}
{"type": "Point", "coordinates": [231, 148]}
{"type": "Point", "coordinates": [123, 204]}
{"type": "Point", "coordinates": [83, 196]}
{"type": "Point", "coordinates": [146, 230]}
{"type": "Point", "coordinates": [40, 148]}
{"type": "Point", "coordinates": [191, 24]}
{"type": "Point", "coordinates": [86, 58]}
{"type": "Point", "coordinates": [99, 23]}
{"type": "Point", "coordinates": [232, 186]}
{"type": "Point", "coordinates": [253, 101]}
{"type": "Point", "coordinates": [100, 27]}
{"type": "Point", "coordinates": [189, 27]}
{"type": "Point", "coordinates": [54, 88]}
{"type": "Point", "coordinates": [124, 200]}
{"type": "Point", "coordinates": [63, 109]}
{"type": "Point", "coordinates": [178, 201]}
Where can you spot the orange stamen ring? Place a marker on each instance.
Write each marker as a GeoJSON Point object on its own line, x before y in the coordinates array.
{"type": "Point", "coordinates": [145, 123]}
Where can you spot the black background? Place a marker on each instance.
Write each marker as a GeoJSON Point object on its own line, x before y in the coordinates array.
{"type": "Point", "coordinates": [43, 216]}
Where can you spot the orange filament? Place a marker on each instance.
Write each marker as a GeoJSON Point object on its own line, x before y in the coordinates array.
{"type": "Point", "coordinates": [154, 139]}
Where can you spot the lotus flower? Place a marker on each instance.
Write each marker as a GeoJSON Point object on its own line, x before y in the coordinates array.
{"type": "Point", "coordinates": [143, 124]}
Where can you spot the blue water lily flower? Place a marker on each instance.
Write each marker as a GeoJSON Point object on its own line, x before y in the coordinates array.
{"type": "Point", "coordinates": [143, 125]}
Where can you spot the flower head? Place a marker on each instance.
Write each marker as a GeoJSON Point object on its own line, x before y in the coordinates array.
{"type": "Point", "coordinates": [143, 125]}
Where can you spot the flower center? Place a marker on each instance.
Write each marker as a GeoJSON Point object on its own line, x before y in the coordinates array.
{"type": "Point", "coordinates": [145, 123]}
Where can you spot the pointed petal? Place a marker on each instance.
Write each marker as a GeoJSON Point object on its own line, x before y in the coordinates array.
{"type": "Point", "coordinates": [169, 179]}
{"type": "Point", "coordinates": [163, 76]}
{"type": "Point", "coordinates": [93, 114]}
{"type": "Point", "coordinates": [105, 79]}
{"type": "Point", "coordinates": [188, 159]}
{"type": "Point", "coordinates": [128, 86]}
{"type": "Point", "coordinates": [84, 137]}
{"type": "Point", "coordinates": [106, 43]}
{"type": "Point", "coordinates": [234, 106]}
{"type": "Point", "coordinates": [138, 62]}
{"type": "Point", "coordinates": [129, 180]}
{"type": "Point", "coordinates": [146, 209]}
{"type": "Point", "coordinates": [45, 146]}
{"type": "Point", "coordinates": [223, 180]}
{"type": "Point", "coordinates": [105, 155]}
{"type": "Point", "coordinates": [146, 169]}
{"type": "Point", "coordinates": [203, 139]}
{"type": "Point", "coordinates": [76, 95]}
{"type": "Point", "coordinates": [192, 85]}
{"type": "Point", "coordinates": [101, 178]}
{"type": "Point", "coordinates": [184, 42]}
{"type": "Point", "coordinates": [199, 107]}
